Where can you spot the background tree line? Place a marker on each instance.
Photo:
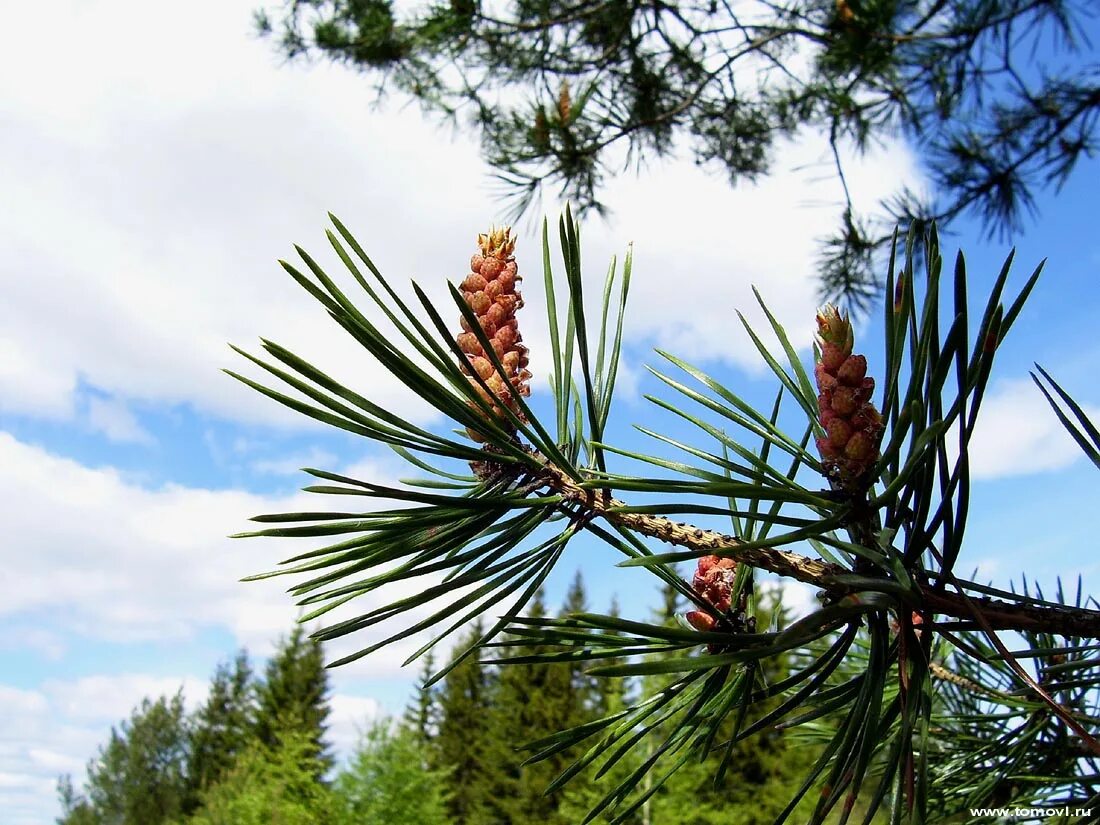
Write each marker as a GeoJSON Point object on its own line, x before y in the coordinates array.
{"type": "Point", "coordinates": [255, 750]}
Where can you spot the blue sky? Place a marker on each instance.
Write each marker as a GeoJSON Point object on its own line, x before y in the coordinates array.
{"type": "Point", "coordinates": [150, 184]}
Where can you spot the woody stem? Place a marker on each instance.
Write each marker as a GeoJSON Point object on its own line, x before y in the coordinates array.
{"type": "Point", "coordinates": [998, 614]}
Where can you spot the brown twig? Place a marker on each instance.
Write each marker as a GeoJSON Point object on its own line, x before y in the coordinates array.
{"type": "Point", "coordinates": [997, 614]}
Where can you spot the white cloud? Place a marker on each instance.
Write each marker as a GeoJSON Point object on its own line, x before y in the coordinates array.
{"type": "Point", "coordinates": [1017, 433]}
{"type": "Point", "coordinates": [37, 745]}
{"type": "Point", "coordinates": [701, 246]}
{"type": "Point", "coordinates": [154, 196]}
{"type": "Point", "coordinates": [114, 419]}
{"type": "Point", "coordinates": [110, 559]}
{"type": "Point", "coordinates": [56, 729]}
{"type": "Point", "coordinates": [100, 550]}
{"type": "Point", "coordinates": [349, 717]}
{"type": "Point", "coordinates": [22, 703]}
{"type": "Point", "coordinates": [292, 465]}
{"type": "Point", "coordinates": [110, 697]}
{"type": "Point", "coordinates": [26, 386]}
{"type": "Point", "coordinates": [174, 191]}
{"type": "Point", "coordinates": [799, 599]}
{"type": "Point", "coordinates": [48, 644]}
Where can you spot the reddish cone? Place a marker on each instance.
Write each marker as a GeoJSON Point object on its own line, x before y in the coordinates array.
{"type": "Point", "coordinates": [490, 292]}
{"type": "Point", "coordinates": [713, 581]}
{"type": "Point", "coordinates": [853, 427]}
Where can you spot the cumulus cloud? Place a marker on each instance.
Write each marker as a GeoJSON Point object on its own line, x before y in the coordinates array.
{"type": "Point", "coordinates": [292, 464]}
{"type": "Point", "coordinates": [115, 420]}
{"type": "Point", "coordinates": [110, 697]}
{"type": "Point", "coordinates": [349, 717]}
{"type": "Point", "coordinates": [109, 559]}
{"type": "Point", "coordinates": [701, 246]}
{"type": "Point", "coordinates": [799, 598]}
{"type": "Point", "coordinates": [56, 728]}
{"type": "Point", "coordinates": [1017, 433]}
{"type": "Point", "coordinates": [154, 196]}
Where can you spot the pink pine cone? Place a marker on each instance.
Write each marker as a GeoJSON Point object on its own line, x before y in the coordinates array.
{"type": "Point", "coordinates": [490, 293]}
{"type": "Point", "coordinates": [713, 581]}
{"type": "Point", "coordinates": [853, 426]}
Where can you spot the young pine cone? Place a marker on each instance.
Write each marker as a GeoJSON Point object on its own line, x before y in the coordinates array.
{"type": "Point", "coordinates": [853, 427]}
{"type": "Point", "coordinates": [713, 581]}
{"type": "Point", "coordinates": [490, 292]}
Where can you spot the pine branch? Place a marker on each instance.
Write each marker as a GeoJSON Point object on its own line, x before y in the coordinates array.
{"type": "Point", "coordinates": [1000, 615]}
{"type": "Point", "coordinates": [601, 504]}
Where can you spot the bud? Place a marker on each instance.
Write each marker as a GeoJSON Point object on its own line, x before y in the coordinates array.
{"type": "Point", "coordinates": [899, 293]}
{"type": "Point", "coordinates": [540, 132]}
{"type": "Point", "coordinates": [852, 425]}
{"type": "Point", "coordinates": [565, 104]}
{"type": "Point", "coordinates": [700, 620]}
{"type": "Point", "coordinates": [490, 293]}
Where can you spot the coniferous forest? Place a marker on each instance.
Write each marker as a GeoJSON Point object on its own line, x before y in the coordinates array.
{"type": "Point", "coordinates": [255, 750]}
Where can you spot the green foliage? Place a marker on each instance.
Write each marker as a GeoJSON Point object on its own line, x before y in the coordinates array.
{"type": "Point", "coordinates": [75, 809]}
{"type": "Point", "coordinates": [139, 776]}
{"type": "Point", "coordinates": [716, 685]}
{"type": "Point", "coordinates": [760, 772]}
{"type": "Point", "coordinates": [229, 761]}
{"type": "Point", "coordinates": [269, 784]}
{"type": "Point", "coordinates": [984, 697]}
{"type": "Point", "coordinates": [221, 728]}
{"type": "Point", "coordinates": [999, 97]}
{"type": "Point", "coordinates": [422, 713]}
{"type": "Point", "coordinates": [613, 696]}
{"type": "Point", "coordinates": [292, 698]}
{"type": "Point", "coordinates": [463, 746]}
{"type": "Point", "coordinates": [534, 698]}
{"type": "Point", "coordinates": [388, 779]}
{"type": "Point", "coordinates": [407, 774]}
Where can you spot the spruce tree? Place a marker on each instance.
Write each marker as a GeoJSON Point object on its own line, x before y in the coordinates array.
{"type": "Point", "coordinates": [75, 808]}
{"type": "Point", "coordinates": [587, 688]}
{"type": "Point", "coordinates": [387, 782]}
{"type": "Point", "coordinates": [222, 728]}
{"type": "Point", "coordinates": [535, 700]}
{"type": "Point", "coordinates": [462, 744]}
{"type": "Point", "coordinates": [293, 698]}
{"type": "Point", "coordinates": [611, 696]}
{"type": "Point", "coordinates": [269, 785]}
{"type": "Point", "coordinates": [422, 713]}
{"type": "Point", "coordinates": [139, 776]}
{"type": "Point", "coordinates": [670, 603]}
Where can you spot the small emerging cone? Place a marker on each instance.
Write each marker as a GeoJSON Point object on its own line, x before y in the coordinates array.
{"type": "Point", "coordinates": [490, 293]}
{"type": "Point", "coordinates": [853, 427]}
{"type": "Point", "coordinates": [713, 581]}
